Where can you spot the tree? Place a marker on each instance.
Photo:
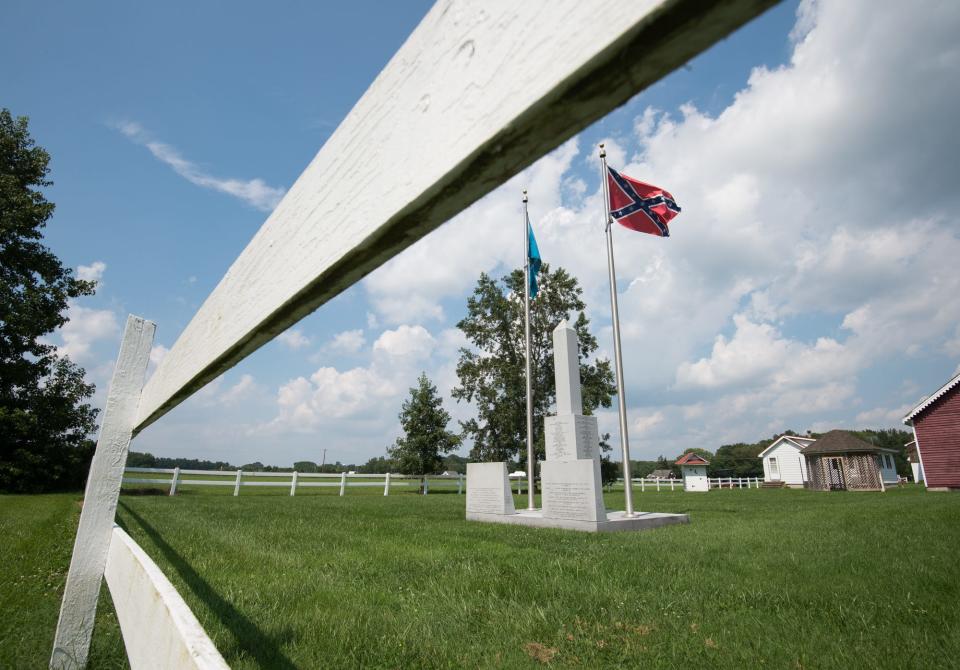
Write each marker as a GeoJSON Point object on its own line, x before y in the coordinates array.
{"type": "Point", "coordinates": [377, 465]}
{"type": "Point", "coordinates": [425, 435]}
{"type": "Point", "coordinates": [491, 373]}
{"type": "Point", "coordinates": [45, 421]}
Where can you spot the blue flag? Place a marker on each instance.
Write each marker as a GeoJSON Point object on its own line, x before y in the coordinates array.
{"type": "Point", "coordinates": [534, 260]}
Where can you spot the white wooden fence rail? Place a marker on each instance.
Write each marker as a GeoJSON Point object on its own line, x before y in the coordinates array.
{"type": "Point", "coordinates": [295, 480]}
{"type": "Point", "coordinates": [714, 482]}
{"type": "Point", "coordinates": [287, 480]}
{"type": "Point", "coordinates": [159, 630]}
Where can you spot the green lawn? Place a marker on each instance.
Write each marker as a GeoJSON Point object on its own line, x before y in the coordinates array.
{"type": "Point", "coordinates": [778, 578]}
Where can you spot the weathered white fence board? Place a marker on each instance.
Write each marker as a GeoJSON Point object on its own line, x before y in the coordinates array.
{"type": "Point", "coordinates": [159, 630]}
{"type": "Point", "coordinates": [79, 606]}
{"type": "Point", "coordinates": [476, 93]}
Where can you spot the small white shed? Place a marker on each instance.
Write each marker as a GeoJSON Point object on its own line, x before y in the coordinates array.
{"type": "Point", "coordinates": [784, 462]}
{"type": "Point", "coordinates": [694, 469]}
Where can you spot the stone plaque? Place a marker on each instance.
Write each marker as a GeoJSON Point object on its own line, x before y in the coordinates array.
{"type": "Point", "coordinates": [488, 489]}
{"type": "Point", "coordinates": [572, 490]}
{"type": "Point", "coordinates": [571, 437]}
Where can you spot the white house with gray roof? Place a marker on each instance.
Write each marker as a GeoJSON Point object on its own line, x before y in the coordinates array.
{"type": "Point", "coordinates": [784, 462]}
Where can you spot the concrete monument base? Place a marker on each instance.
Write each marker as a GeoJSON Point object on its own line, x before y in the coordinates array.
{"type": "Point", "coordinates": [616, 521]}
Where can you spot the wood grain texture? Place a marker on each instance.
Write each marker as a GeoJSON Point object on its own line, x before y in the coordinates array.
{"type": "Point", "coordinates": [79, 606]}
{"type": "Point", "coordinates": [478, 92]}
{"type": "Point", "coordinates": [159, 630]}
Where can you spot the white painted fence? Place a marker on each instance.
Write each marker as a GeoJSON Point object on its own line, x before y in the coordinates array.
{"type": "Point", "coordinates": [734, 482]}
{"type": "Point", "coordinates": [677, 484]}
{"type": "Point", "coordinates": [286, 480]}
{"type": "Point", "coordinates": [159, 630]}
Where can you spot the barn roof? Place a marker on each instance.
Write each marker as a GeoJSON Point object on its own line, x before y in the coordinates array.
{"type": "Point", "coordinates": [838, 442]}
{"type": "Point", "coordinates": [692, 459]}
{"type": "Point", "coordinates": [932, 398]}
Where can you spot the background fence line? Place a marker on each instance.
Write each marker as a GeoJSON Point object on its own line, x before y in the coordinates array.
{"type": "Point", "coordinates": [295, 480]}
{"type": "Point", "coordinates": [290, 480]}
{"type": "Point", "coordinates": [673, 484]}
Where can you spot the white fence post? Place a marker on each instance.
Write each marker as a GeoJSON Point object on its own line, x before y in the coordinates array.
{"type": "Point", "coordinates": [343, 483]}
{"type": "Point", "coordinates": [386, 485]}
{"type": "Point", "coordinates": [173, 482]}
{"type": "Point", "coordinates": [293, 484]}
{"type": "Point", "coordinates": [460, 484]}
{"type": "Point", "coordinates": [658, 485]}
{"type": "Point", "coordinates": [426, 485]}
{"type": "Point", "coordinates": [642, 485]}
{"type": "Point", "coordinates": [671, 483]}
{"type": "Point", "coordinates": [78, 608]}
{"type": "Point", "coordinates": [236, 487]}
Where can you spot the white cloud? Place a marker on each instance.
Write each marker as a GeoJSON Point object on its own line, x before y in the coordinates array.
{"type": "Point", "coordinates": [644, 424]}
{"type": "Point", "coordinates": [409, 341]}
{"type": "Point", "coordinates": [254, 192]}
{"type": "Point", "coordinates": [242, 389]}
{"type": "Point", "coordinates": [364, 393]}
{"type": "Point", "coordinates": [85, 327]}
{"type": "Point", "coordinates": [157, 353]}
{"type": "Point", "coordinates": [883, 417]}
{"type": "Point", "coordinates": [409, 288]}
{"type": "Point", "coordinates": [92, 272]}
{"type": "Point", "coordinates": [347, 342]}
{"type": "Point", "coordinates": [293, 339]}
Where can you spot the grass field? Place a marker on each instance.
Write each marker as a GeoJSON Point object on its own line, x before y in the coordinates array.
{"type": "Point", "coordinates": [774, 578]}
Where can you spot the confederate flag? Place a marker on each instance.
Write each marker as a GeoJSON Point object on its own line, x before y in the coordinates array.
{"type": "Point", "coordinates": [638, 206]}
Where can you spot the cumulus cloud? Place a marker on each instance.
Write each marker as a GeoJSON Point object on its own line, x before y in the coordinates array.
{"type": "Point", "coordinates": [254, 192]}
{"type": "Point", "coordinates": [86, 327]}
{"type": "Point", "coordinates": [347, 342]}
{"type": "Point", "coordinates": [410, 288]}
{"type": "Point", "coordinates": [643, 424]}
{"type": "Point", "coordinates": [293, 339]}
{"type": "Point", "coordinates": [368, 392]}
{"type": "Point", "coordinates": [92, 272]}
{"type": "Point", "coordinates": [238, 391]}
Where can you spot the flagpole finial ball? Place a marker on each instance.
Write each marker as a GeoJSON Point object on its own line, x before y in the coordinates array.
{"type": "Point", "coordinates": [524, 195]}
{"type": "Point", "coordinates": [603, 152]}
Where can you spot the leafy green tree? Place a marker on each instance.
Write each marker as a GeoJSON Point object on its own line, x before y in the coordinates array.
{"type": "Point", "coordinates": [890, 438]}
{"type": "Point", "coordinates": [376, 466]}
{"type": "Point", "coordinates": [45, 419]}
{"type": "Point", "coordinates": [425, 435]}
{"type": "Point", "coordinates": [739, 460]}
{"type": "Point", "coordinates": [491, 371]}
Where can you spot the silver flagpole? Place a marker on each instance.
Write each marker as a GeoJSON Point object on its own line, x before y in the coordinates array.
{"type": "Point", "coordinates": [621, 396]}
{"type": "Point", "coordinates": [531, 460]}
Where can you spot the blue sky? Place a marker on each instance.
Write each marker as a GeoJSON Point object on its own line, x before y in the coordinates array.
{"type": "Point", "coordinates": [809, 283]}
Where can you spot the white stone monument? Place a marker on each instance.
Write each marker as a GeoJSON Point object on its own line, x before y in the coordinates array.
{"type": "Point", "coordinates": [571, 474]}
{"type": "Point", "coordinates": [488, 489]}
{"type": "Point", "coordinates": [572, 493]}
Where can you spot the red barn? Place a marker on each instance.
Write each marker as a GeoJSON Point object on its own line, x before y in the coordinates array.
{"type": "Point", "coordinates": [936, 429]}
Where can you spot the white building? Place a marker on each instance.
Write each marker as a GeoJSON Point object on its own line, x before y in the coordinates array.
{"type": "Point", "coordinates": [784, 462]}
{"type": "Point", "coordinates": [694, 470]}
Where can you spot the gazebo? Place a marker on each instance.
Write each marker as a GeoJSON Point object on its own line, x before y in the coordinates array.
{"type": "Point", "coordinates": [839, 461]}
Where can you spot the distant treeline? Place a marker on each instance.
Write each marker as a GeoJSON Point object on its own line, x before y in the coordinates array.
{"type": "Point", "coordinates": [378, 465]}
{"type": "Point", "coordinates": [730, 460]}
{"type": "Point", "coordinates": [741, 459]}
